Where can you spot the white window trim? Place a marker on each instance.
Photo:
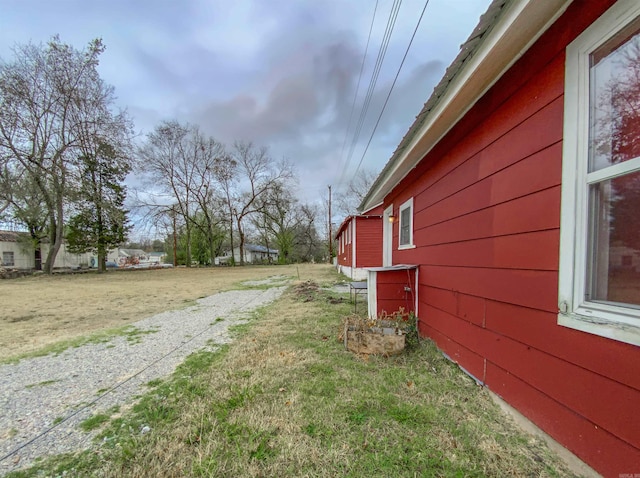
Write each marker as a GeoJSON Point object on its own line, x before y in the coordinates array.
{"type": "Point", "coordinates": [405, 205]}
{"type": "Point", "coordinates": [353, 244]}
{"type": "Point", "coordinates": [387, 237]}
{"type": "Point", "coordinates": [606, 320]}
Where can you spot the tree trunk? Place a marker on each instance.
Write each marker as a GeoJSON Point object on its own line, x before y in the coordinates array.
{"type": "Point", "coordinates": [38, 257]}
{"type": "Point", "coordinates": [241, 243]}
{"type": "Point", "coordinates": [188, 246]}
{"type": "Point", "coordinates": [212, 252]}
{"type": "Point", "coordinates": [233, 261]}
{"type": "Point", "coordinates": [102, 266]}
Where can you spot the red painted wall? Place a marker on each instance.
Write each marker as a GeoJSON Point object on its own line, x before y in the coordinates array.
{"type": "Point", "coordinates": [391, 293]}
{"type": "Point", "coordinates": [369, 242]}
{"type": "Point", "coordinates": [487, 218]}
{"type": "Point", "coordinates": [344, 256]}
{"type": "Point", "coordinates": [368, 237]}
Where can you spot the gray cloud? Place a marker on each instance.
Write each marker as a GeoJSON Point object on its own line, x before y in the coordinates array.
{"type": "Point", "coordinates": [281, 73]}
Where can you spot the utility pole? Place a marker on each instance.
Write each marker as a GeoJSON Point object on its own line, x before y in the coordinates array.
{"type": "Point", "coordinates": [330, 232]}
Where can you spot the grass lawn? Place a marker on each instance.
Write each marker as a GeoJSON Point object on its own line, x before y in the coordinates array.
{"type": "Point", "coordinates": [286, 399]}
{"type": "Point", "coordinates": [45, 314]}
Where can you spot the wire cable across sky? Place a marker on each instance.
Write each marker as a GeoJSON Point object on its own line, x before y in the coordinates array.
{"type": "Point", "coordinates": [391, 89]}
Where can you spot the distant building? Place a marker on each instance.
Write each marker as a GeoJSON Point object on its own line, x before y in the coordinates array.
{"type": "Point", "coordinates": [253, 254]}
{"type": "Point", "coordinates": [17, 252]}
{"type": "Point", "coordinates": [359, 239]}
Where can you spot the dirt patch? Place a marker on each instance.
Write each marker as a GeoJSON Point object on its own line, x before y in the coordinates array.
{"type": "Point", "coordinates": [41, 310]}
{"type": "Point", "coordinates": [307, 291]}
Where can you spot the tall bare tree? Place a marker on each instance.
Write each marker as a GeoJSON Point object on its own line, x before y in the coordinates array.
{"type": "Point", "coordinates": [348, 199]}
{"type": "Point", "coordinates": [184, 165]}
{"type": "Point", "coordinates": [278, 217]}
{"type": "Point", "coordinates": [46, 94]}
{"type": "Point", "coordinates": [258, 175]}
{"type": "Point", "coordinates": [163, 160]}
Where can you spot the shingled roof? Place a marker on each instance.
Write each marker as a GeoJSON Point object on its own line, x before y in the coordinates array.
{"type": "Point", "coordinates": [10, 236]}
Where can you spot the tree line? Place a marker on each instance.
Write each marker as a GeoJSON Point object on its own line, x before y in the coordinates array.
{"type": "Point", "coordinates": [65, 151]}
{"type": "Point", "coordinates": [214, 198]}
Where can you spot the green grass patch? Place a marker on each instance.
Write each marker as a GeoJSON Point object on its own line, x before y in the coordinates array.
{"type": "Point", "coordinates": [132, 334]}
{"type": "Point", "coordinates": [286, 399]}
{"type": "Point", "coordinates": [42, 384]}
{"type": "Point", "coordinates": [94, 422]}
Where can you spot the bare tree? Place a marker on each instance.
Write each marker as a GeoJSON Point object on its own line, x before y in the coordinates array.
{"type": "Point", "coordinates": [205, 153]}
{"type": "Point", "coordinates": [278, 218]}
{"type": "Point", "coordinates": [309, 246]}
{"type": "Point", "coordinates": [348, 200]}
{"type": "Point", "coordinates": [46, 94]}
{"type": "Point", "coordinates": [225, 174]}
{"type": "Point", "coordinates": [259, 174]}
{"type": "Point", "coordinates": [169, 169]}
{"type": "Point", "coordinates": [184, 166]}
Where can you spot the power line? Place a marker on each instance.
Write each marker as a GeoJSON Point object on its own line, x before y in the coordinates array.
{"type": "Point", "coordinates": [393, 15]}
{"type": "Point", "coordinates": [355, 96]}
{"type": "Point", "coordinates": [391, 89]}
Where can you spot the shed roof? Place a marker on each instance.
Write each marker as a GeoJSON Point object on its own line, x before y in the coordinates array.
{"type": "Point", "coordinates": [505, 31]}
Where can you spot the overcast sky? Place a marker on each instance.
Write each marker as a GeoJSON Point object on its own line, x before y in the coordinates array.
{"type": "Point", "coordinates": [282, 73]}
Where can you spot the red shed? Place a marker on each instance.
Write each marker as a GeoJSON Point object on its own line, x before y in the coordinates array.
{"type": "Point", "coordinates": [516, 194]}
{"type": "Point", "coordinates": [359, 239]}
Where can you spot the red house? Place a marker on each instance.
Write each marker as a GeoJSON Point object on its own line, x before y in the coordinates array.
{"type": "Point", "coordinates": [516, 194]}
{"type": "Point", "coordinates": [359, 243]}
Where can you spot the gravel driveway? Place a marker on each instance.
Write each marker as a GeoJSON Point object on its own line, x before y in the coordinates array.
{"type": "Point", "coordinates": [43, 399]}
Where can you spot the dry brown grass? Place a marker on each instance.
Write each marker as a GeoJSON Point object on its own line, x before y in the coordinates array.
{"type": "Point", "coordinates": [37, 312]}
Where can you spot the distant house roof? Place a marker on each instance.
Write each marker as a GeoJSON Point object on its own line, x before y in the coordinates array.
{"type": "Point", "coordinates": [9, 236]}
{"type": "Point", "coordinates": [256, 248]}
{"type": "Point", "coordinates": [132, 252]}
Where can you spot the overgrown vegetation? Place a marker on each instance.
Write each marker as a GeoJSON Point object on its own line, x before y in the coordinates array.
{"type": "Point", "coordinates": [286, 399]}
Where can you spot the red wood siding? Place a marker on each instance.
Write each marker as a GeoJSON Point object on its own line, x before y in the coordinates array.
{"type": "Point", "coordinates": [391, 293]}
{"type": "Point", "coordinates": [368, 237]}
{"type": "Point", "coordinates": [368, 242]}
{"type": "Point", "coordinates": [344, 249]}
{"type": "Point", "coordinates": [486, 231]}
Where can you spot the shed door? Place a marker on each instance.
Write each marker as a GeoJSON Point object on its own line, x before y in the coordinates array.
{"type": "Point", "coordinates": [387, 236]}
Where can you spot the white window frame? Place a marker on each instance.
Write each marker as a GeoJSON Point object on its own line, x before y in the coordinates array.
{"type": "Point", "coordinates": [387, 237]}
{"type": "Point", "coordinates": [408, 204]}
{"type": "Point", "coordinates": [607, 320]}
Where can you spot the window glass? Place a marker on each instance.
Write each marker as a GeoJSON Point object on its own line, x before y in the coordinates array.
{"type": "Point", "coordinates": [615, 99]}
{"type": "Point", "coordinates": [405, 226]}
{"type": "Point", "coordinates": [614, 268]}
{"type": "Point", "coordinates": [7, 258]}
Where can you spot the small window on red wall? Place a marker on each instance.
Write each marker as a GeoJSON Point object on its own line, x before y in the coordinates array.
{"type": "Point", "coordinates": [406, 225]}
